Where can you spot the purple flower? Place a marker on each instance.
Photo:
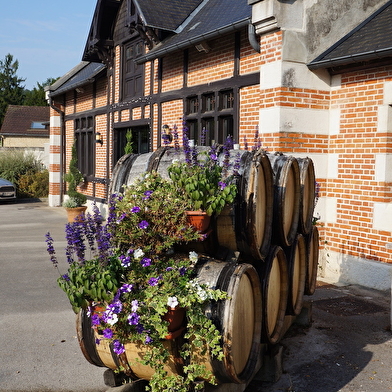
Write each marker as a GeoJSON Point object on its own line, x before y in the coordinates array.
{"type": "Point", "coordinates": [97, 341]}
{"type": "Point", "coordinates": [135, 210]}
{"type": "Point", "coordinates": [51, 250]}
{"type": "Point", "coordinates": [175, 137]}
{"type": "Point", "coordinates": [107, 333]}
{"type": "Point", "coordinates": [148, 339]}
{"type": "Point", "coordinates": [145, 262]}
{"type": "Point", "coordinates": [125, 260]}
{"type": "Point", "coordinates": [222, 185]}
{"type": "Point", "coordinates": [95, 320]}
{"type": "Point", "coordinates": [126, 288]}
{"type": "Point", "coordinates": [147, 195]}
{"type": "Point", "coordinates": [121, 217]}
{"type": "Point", "coordinates": [115, 307]}
{"type": "Point", "coordinates": [139, 328]}
{"type": "Point", "coordinates": [118, 347]}
{"type": "Point", "coordinates": [169, 269]}
{"type": "Point", "coordinates": [153, 281]}
{"type": "Point", "coordinates": [143, 224]}
{"type": "Point", "coordinates": [133, 319]}
{"type": "Point", "coordinates": [66, 277]}
{"type": "Point", "coordinates": [182, 271]}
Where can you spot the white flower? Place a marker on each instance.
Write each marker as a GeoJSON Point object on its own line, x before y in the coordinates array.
{"type": "Point", "coordinates": [138, 254]}
{"type": "Point", "coordinates": [202, 293]}
{"type": "Point", "coordinates": [172, 302]}
{"type": "Point", "coordinates": [112, 318]}
{"type": "Point", "coordinates": [175, 160]}
{"type": "Point", "coordinates": [193, 257]}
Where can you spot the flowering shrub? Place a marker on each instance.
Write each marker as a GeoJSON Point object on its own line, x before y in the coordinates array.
{"type": "Point", "coordinates": [132, 278]}
{"type": "Point", "coordinates": [201, 180]}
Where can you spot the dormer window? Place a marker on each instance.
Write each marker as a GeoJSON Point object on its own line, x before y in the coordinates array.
{"type": "Point", "coordinates": [37, 125]}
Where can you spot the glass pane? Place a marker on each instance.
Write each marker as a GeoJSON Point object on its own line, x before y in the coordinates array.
{"type": "Point", "coordinates": [208, 132]}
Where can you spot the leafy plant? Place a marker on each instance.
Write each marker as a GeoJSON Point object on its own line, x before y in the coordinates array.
{"type": "Point", "coordinates": [34, 184]}
{"type": "Point", "coordinates": [201, 180]}
{"type": "Point", "coordinates": [74, 177]}
{"type": "Point", "coordinates": [15, 164]}
{"type": "Point", "coordinates": [133, 278]}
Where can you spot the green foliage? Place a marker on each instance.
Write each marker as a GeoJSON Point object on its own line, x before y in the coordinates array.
{"type": "Point", "coordinates": [202, 185]}
{"type": "Point", "coordinates": [138, 279]}
{"type": "Point", "coordinates": [11, 89]}
{"type": "Point", "coordinates": [91, 281]}
{"type": "Point", "coordinates": [162, 207]}
{"type": "Point", "coordinates": [14, 164]}
{"type": "Point", "coordinates": [74, 177]}
{"type": "Point", "coordinates": [34, 184]}
{"type": "Point", "coordinates": [36, 96]}
{"type": "Point", "coordinates": [129, 146]}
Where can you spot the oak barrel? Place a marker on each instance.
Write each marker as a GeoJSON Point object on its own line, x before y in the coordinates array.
{"type": "Point", "coordinates": [286, 198]}
{"type": "Point", "coordinates": [307, 198]}
{"type": "Point", "coordinates": [274, 293]}
{"type": "Point", "coordinates": [296, 256]}
{"type": "Point", "coordinates": [238, 319]}
{"type": "Point", "coordinates": [246, 224]}
{"type": "Point", "coordinates": [312, 247]}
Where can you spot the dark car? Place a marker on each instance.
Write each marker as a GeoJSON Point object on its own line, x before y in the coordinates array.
{"type": "Point", "coordinates": [7, 190]}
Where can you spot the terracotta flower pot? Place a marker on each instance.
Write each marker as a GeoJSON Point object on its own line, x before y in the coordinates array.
{"type": "Point", "coordinates": [199, 220]}
{"type": "Point", "coordinates": [74, 214]}
{"type": "Point", "coordinates": [176, 319]}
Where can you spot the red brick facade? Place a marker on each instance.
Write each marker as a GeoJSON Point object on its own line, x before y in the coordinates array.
{"type": "Point", "coordinates": [351, 159]}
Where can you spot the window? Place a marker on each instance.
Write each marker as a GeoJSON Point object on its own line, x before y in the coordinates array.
{"type": "Point", "coordinates": [37, 125]}
{"type": "Point", "coordinates": [132, 72]}
{"type": "Point", "coordinates": [85, 145]}
{"type": "Point", "coordinates": [213, 111]}
{"type": "Point", "coordinates": [140, 139]}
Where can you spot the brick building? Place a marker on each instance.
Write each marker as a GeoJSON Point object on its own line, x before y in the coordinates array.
{"type": "Point", "coordinates": [314, 77]}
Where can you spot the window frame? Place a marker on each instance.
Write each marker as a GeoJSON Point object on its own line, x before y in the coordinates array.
{"type": "Point", "coordinates": [84, 135]}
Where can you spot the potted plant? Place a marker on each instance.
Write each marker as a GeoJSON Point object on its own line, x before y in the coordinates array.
{"type": "Point", "coordinates": [134, 281]}
{"type": "Point", "coordinates": [204, 182]}
{"type": "Point", "coordinates": [75, 201]}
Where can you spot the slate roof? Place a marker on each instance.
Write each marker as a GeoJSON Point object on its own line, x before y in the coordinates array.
{"type": "Point", "coordinates": [84, 73]}
{"type": "Point", "coordinates": [18, 120]}
{"type": "Point", "coordinates": [165, 14]}
{"type": "Point", "coordinates": [211, 19]}
{"type": "Point", "coordinates": [371, 40]}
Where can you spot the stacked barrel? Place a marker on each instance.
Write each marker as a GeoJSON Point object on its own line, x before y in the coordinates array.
{"type": "Point", "coordinates": [269, 229]}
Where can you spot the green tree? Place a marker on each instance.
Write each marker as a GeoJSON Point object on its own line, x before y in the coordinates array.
{"type": "Point", "coordinates": [36, 96]}
{"type": "Point", "coordinates": [11, 88]}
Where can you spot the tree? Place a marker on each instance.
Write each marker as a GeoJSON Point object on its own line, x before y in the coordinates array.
{"type": "Point", "coordinates": [36, 96]}
{"type": "Point", "coordinates": [11, 89]}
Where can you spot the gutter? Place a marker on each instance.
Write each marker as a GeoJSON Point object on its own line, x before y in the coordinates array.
{"type": "Point", "coordinates": [166, 49]}
{"type": "Point", "coordinates": [356, 58]}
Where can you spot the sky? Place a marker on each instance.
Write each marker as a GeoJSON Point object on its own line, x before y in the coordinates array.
{"type": "Point", "coordinates": [46, 37]}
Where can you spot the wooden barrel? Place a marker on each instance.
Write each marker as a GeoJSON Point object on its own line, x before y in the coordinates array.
{"type": "Point", "coordinates": [308, 188]}
{"type": "Point", "coordinates": [297, 258]}
{"type": "Point", "coordinates": [286, 198]}
{"type": "Point", "coordinates": [99, 351]}
{"type": "Point", "coordinates": [246, 225]}
{"type": "Point", "coordinates": [238, 319]}
{"type": "Point", "coordinates": [312, 246]}
{"type": "Point", "coordinates": [274, 293]}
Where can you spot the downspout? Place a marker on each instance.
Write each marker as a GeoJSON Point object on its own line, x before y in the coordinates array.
{"type": "Point", "coordinates": [62, 133]}
{"type": "Point", "coordinates": [253, 38]}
